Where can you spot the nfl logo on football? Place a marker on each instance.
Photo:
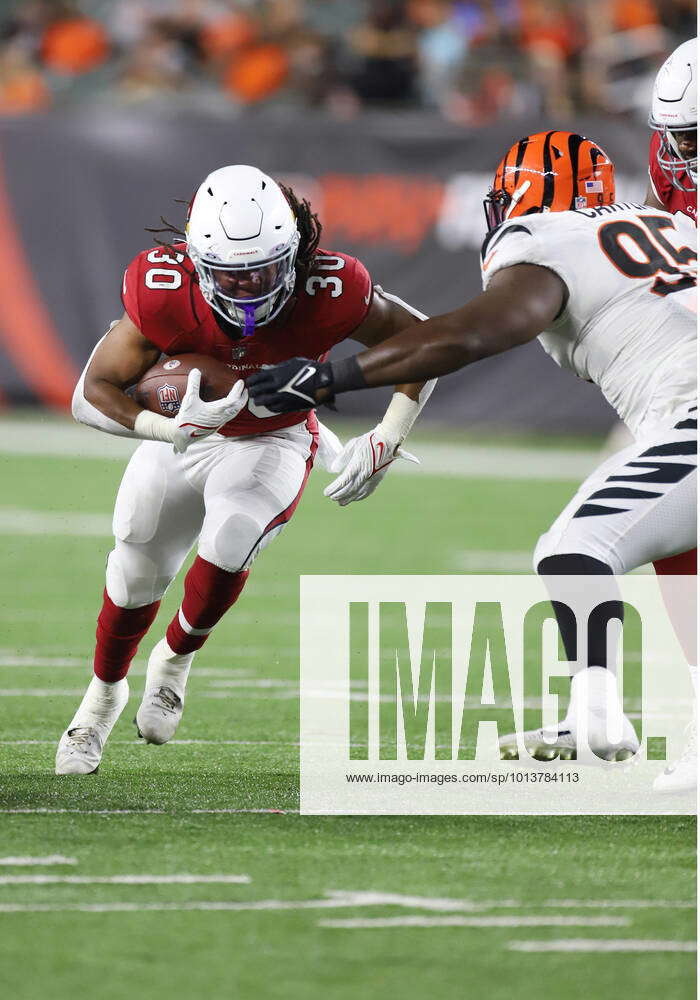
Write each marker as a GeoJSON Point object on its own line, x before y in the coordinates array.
{"type": "Point", "coordinates": [169, 398]}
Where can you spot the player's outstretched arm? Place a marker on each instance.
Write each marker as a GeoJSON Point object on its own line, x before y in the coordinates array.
{"type": "Point", "coordinates": [520, 302]}
{"type": "Point", "coordinates": [365, 460]}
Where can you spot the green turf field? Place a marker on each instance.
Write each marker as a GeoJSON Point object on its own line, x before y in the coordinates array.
{"type": "Point", "coordinates": [322, 907]}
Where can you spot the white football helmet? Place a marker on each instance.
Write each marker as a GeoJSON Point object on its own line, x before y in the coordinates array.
{"type": "Point", "coordinates": [673, 111]}
{"type": "Point", "coordinates": [242, 238]}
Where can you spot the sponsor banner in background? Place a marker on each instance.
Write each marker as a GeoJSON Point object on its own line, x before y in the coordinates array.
{"type": "Point", "coordinates": [407, 684]}
{"type": "Point", "coordinates": [402, 193]}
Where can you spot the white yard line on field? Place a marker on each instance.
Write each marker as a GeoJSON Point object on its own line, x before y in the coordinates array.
{"type": "Point", "coordinates": [45, 811]}
{"type": "Point", "coordinates": [50, 859]}
{"type": "Point", "coordinates": [136, 744]}
{"type": "Point", "coordinates": [498, 561]}
{"type": "Point", "coordinates": [448, 904]}
{"type": "Point", "coordinates": [603, 944]}
{"type": "Point", "coordinates": [11, 660]}
{"type": "Point", "coordinates": [15, 521]}
{"type": "Point", "coordinates": [184, 879]}
{"type": "Point", "coordinates": [41, 692]}
{"type": "Point", "coordinates": [623, 904]}
{"type": "Point", "coordinates": [54, 438]}
{"type": "Point", "coordinates": [371, 923]}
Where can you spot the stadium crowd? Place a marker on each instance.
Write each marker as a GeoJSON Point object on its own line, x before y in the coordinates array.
{"type": "Point", "coordinates": [472, 60]}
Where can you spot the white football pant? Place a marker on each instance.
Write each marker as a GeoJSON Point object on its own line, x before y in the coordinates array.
{"type": "Point", "coordinates": [233, 494]}
{"type": "Point", "coordinates": [638, 506]}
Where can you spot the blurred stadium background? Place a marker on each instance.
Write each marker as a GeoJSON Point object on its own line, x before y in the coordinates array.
{"type": "Point", "coordinates": [389, 115]}
{"type": "Point", "coordinates": [391, 118]}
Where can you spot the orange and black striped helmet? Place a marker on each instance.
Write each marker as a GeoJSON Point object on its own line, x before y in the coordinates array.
{"type": "Point", "coordinates": [550, 172]}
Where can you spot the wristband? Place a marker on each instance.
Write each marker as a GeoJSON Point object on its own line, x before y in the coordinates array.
{"type": "Point", "coordinates": [347, 375]}
{"type": "Point", "coordinates": [155, 427]}
{"type": "Point", "coordinates": [400, 416]}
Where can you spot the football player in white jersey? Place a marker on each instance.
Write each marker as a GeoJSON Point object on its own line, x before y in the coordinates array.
{"type": "Point", "coordinates": [609, 290]}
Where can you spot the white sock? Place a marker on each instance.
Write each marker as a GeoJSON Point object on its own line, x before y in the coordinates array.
{"type": "Point", "coordinates": [168, 668]}
{"type": "Point", "coordinates": [596, 688]}
{"type": "Point", "coordinates": [102, 704]}
{"type": "Point", "coordinates": [693, 671]}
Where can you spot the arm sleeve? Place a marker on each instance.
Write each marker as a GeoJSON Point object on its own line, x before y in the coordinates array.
{"type": "Point", "coordinates": [85, 413]}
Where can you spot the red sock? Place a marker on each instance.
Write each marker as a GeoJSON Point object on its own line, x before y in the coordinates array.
{"type": "Point", "coordinates": [684, 564]}
{"type": "Point", "coordinates": [209, 593]}
{"type": "Point", "coordinates": [119, 632]}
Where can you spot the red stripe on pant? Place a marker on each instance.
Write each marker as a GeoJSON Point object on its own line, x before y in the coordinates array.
{"type": "Point", "coordinates": [210, 591]}
{"type": "Point", "coordinates": [286, 515]}
{"type": "Point", "coordinates": [119, 632]}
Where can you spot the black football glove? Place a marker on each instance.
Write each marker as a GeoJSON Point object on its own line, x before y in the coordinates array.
{"type": "Point", "coordinates": [291, 385]}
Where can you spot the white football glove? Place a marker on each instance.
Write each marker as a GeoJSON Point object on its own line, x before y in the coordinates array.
{"type": "Point", "coordinates": [362, 464]}
{"type": "Point", "coordinates": [198, 419]}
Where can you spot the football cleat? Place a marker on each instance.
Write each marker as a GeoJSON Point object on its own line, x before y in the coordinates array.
{"type": "Point", "coordinates": [79, 751]}
{"type": "Point", "coordinates": [542, 744]}
{"type": "Point", "coordinates": [595, 724]}
{"type": "Point", "coordinates": [560, 743]}
{"type": "Point", "coordinates": [682, 774]}
{"type": "Point", "coordinates": [80, 748]}
{"type": "Point", "coordinates": [161, 709]}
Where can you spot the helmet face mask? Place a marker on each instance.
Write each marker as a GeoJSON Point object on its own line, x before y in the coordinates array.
{"type": "Point", "coordinates": [680, 171]}
{"type": "Point", "coordinates": [496, 205]}
{"type": "Point", "coordinates": [243, 241]}
{"type": "Point", "coordinates": [674, 116]}
{"type": "Point", "coordinates": [258, 289]}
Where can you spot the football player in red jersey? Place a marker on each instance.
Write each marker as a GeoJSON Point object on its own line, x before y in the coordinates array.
{"type": "Point", "coordinates": [246, 284]}
{"type": "Point", "coordinates": [673, 150]}
{"type": "Point", "coordinates": [673, 187]}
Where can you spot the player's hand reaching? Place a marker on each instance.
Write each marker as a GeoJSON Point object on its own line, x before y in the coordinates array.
{"type": "Point", "coordinates": [362, 464]}
{"type": "Point", "coordinates": [198, 419]}
{"type": "Point", "coordinates": [293, 385]}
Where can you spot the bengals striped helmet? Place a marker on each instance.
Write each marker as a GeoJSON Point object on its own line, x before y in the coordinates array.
{"type": "Point", "coordinates": [550, 172]}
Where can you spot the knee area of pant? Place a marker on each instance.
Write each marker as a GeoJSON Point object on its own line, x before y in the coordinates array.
{"type": "Point", "coordinates": [571, 564]}
{"type": "Point", "coordinates": [232, 543]}
{"type": "Point", "coordinates": [130, 585]}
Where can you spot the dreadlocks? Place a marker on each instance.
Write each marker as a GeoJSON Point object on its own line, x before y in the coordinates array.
{"type": "Point", "coordinates": [169, 227]}
{"type": "Point", "coordinates": [308, 224]}
{"type": "Point", "coordinates": [310, 230]}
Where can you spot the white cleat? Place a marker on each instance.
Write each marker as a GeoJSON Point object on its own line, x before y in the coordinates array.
{"type": "Point", "coordinates": [79, 751]}
{"type": "Point", "coordinates": [595, 725]}
{"type": "Point", "coordinates": [542, 744]}
{"type": "Point", "coordinates": [161, 709]}
{"type": "Point", "coordinates": [80, 748]}
{"type": "Point", "coordinates": [562, 743]}
{"type": "Point", "coordinates": [682, 774]}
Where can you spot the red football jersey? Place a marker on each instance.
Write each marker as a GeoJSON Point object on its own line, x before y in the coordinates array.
{"type": "Point", "coordinates": [162, 297]}
{"type": "Point", "coordinates": [670, 197]}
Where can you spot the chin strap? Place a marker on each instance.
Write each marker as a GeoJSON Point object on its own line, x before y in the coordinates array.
{"type": "Point", "coordinates": [249, 322]}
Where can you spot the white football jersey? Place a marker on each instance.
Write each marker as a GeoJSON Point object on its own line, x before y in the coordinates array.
{"type": "Point", "coordinates": [629, 323]}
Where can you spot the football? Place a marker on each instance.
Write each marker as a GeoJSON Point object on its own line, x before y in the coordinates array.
{"type": "Point", "coordinates": [163, 386]}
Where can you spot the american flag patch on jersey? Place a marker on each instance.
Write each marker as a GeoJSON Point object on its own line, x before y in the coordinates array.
{"type": "Point", "coordinates": [594, 187]}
